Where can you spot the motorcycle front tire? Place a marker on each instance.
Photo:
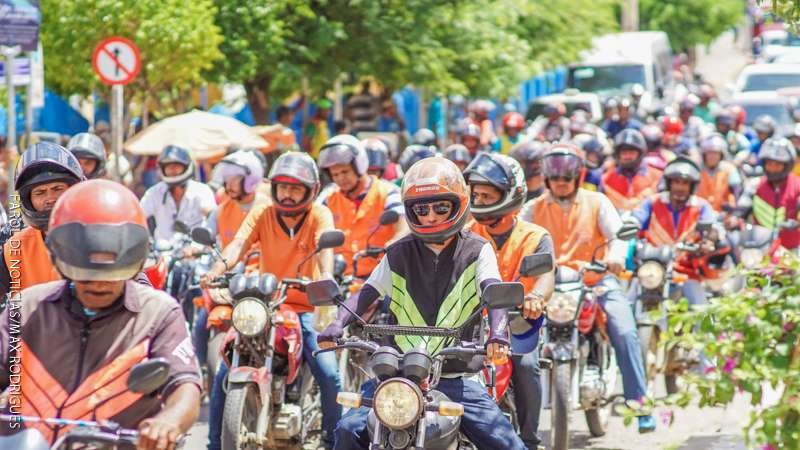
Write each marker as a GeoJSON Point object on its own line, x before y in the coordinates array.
{"type": "Point", "coordinates": [240, 416]}
{"type": "Point", "coordinates": [561, 405]}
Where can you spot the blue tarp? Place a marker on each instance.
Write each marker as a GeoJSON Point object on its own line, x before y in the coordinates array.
{"type": "Point", "coordinates": [59, 117]}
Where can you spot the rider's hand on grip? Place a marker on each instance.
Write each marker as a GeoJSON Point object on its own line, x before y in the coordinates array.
{"type": "Point", "coordinates": [158, 434]}
{"type": "Point", "coordinates": [496, 353]}
{"type": "Point", "coordinates": [329, 335]}
{"type": "Point", "coordinates": [533, 306]}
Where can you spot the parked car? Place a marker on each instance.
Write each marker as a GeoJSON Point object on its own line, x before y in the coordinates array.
{"type": "Point", "coordinates": [572, 100]}
{"type": "Point", "coordinates": [767, 77]}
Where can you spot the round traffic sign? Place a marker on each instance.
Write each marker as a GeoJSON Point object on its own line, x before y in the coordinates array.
{"type": "Point", "coordinates": [116, 60]}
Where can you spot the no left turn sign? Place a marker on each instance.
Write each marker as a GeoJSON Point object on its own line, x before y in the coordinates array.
{"type": "Point", "coordinates": [116, 60]}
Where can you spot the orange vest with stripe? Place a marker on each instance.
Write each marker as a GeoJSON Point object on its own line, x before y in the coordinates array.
{"type": "Point", "coordinates": [662, 229]}
{"type": "Point", "coordinates": [575, 230]}
{"type": "Point", "coordinates": [715, 188]}
{"type": "Point", "coordinates": [523, 241]}
{"type": "Point", "coordinates": [28, 260]}
{"type": "Point", "coordinates": [359, 223]}
{"type": "Point", "coordinates": [627, 194]}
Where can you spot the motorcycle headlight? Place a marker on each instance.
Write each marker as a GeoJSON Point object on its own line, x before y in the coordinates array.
{"type": "Point", "coordinates": [651, 275]}
{"type": "Point", "coordinates": [751, 257]}
{"type": "Point", "coordinates": [562, 307]}
{"type": "Point", "coordinates": [397, 403]}
{"type": "Point", "coordinates": [249, 316]}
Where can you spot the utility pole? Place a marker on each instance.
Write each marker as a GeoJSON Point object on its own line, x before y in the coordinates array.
{"type": "Point", "coordinates": [630, 15]}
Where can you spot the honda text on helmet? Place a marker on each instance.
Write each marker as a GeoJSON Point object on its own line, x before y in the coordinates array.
{"type": "Point", "coordinates": [291, 172]}
{"type": "Point", "coordinates": [175, 165]}
{"type": "Point", "coordinates": [107, 242]}
{"type": "Point", "coordinates": [503, 173]}
{"type": "Point", "coordinates": [240, 173]}
{"type": "Point", "coordinates": [44, 171]}
{"type": "Point", "coordinates": [434, 187]}
{"type": "Point", "coordinates": [91, 154]}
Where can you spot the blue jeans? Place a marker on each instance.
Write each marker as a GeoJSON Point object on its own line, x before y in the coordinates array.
{"type": "Point", "coordinates": [483, 422]}
{"type": "Point", "coordinates": [200, 335]}
{"type": "Point", "coordinates": [324, 368]}
{"type": "Point", "coordinates": [624, 338]}
{"type": "Point", "coordinates": [527, 396]}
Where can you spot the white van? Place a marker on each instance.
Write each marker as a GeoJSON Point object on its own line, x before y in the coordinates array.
{"type": "Point", "coordinates": [618, 61]}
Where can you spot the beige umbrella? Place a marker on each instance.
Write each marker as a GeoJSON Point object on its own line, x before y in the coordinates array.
{"type": "Point", "coordinates": [205, 134]}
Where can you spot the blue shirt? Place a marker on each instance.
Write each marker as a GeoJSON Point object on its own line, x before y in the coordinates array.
{"type": "Point", "coordinates": [645, 211]}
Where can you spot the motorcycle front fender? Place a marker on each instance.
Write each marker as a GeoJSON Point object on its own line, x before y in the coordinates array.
{"type": "Point", "coordinates": [260, 376]}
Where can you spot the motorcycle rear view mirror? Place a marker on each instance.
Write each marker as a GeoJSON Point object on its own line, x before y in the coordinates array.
{"type": "Point", "coordinates": [148, 376]}
{"type": "Point", "coordinates": [330, 239]}
{"type": "Point", "coordinates": [322, 292]}
{"type": "Point", "coordinates": [536, 264]}
{"type": "Point", "coordinates": [628, 231]}
{"type": "Point", "coordinates": [203, 236]}
{"type": "Point", "coordinates": [389, 217]}
{"type": "Point", "coordinates": [703, 227]}
{"type": "Point", "coordinates": [180, 227]}
{"type": "Point", "coordinates": [503, 295]}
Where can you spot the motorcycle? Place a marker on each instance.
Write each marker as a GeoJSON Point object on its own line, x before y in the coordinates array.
{"type": "Point", "coordinates": [271, 398]}
{"type": "Point", "coordinates": [577, 356]}
{"type": "Point", "coordinates": [144, 378]}
{"type": "Point", "coordinates": [406, 410]}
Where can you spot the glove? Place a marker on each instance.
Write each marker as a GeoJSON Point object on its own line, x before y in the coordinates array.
{"type": "Point", "coordinates": [329, 335]}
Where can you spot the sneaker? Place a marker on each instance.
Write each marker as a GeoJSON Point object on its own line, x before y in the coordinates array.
{"type": "Point", "coordinates": [647, 424]}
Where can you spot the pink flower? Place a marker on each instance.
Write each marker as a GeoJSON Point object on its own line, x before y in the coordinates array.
{"type": "Point", "coordinates": [730, 364]}
{"type": "Point", "coordinates": [709, 369]}
{"type": "Point", "coordinates": [738, 336]}
{"type": "Point", "coordinates": [768, 447]}
{"type": "Point", "coordinates": [788, 327]}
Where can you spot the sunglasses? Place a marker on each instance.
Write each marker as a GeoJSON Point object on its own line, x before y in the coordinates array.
{"type": "Point", "coordinates": [439, 208]}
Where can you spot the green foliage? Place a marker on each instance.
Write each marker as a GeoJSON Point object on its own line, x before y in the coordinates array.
{"type": "Point", "coordinates": [689, 23]}
{"type": "Point", "coordinates": [788, 10]}
{"type": "Point", "coordinates": [753, 339]}
{"type": "Point", "coordinates": [177, 40]}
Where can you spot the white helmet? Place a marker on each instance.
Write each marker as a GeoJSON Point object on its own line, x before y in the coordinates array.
{"type": "Point", "coordinates": [240, 163]}
{"type": "Point", "coordinates": [344, 149]}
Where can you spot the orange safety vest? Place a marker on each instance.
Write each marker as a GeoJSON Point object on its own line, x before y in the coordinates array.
{"type": "Point", "coordinates": [662, 229]}
{"type": "Point", "coordinates": [715, 188]}
{"type": "Point", "coordinates": [625, 194]}
{"type": "Point", "coordinates": [43, 395]}
{"type": "Point", "coordinates": [575, 231]}
{"type": "Point", "coordinates": [523, 241]}
{"type": "Point", "coordinates": [28, 260]}
{"type": "Point", "coordinates": [359, 223]}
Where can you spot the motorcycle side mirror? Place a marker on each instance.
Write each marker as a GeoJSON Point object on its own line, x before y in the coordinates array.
{"type": "Point", "coordinates": [148, 376]}
{"type": "Point", "coordinates": [203, 236]}
{"type": "Point", "coordinates": [503, 295]}
{"type": "Point", "coordinates": [267, 284]}
{"type": "Point", "coordinates": [536, 264]}
{"type": "Point", "coordinates": [703, 227]}
{"type": "Point", "coordinates": [322, 292]}
{"type": "Point", "coordinates": [628, 231]}
{"type": "Point", "coordinates": [389, 217]}
{"type": "Point", "coordinates": [180, 227]}
{"type": "Point", "coordinates": [330, 239]}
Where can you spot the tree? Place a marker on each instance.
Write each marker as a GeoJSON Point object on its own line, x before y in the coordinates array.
{"type": "Point", "coordinates": [689, 23]}
{"type": "Point", "coordinates": [177, 40]}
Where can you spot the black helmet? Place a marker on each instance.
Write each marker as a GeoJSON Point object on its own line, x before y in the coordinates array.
{"type": "Point", "coordinates": [529, 155]}
{"type": "Point", "coordinates": [175, 154]}
{"type": "Point", "coordinates": [502, 172]}
{"type": "Point", "coordinates": [780, 150]}
{"type": "Point", "coordinates": [593, 146]}
{"type": "Point", "coordinates": [295, 168]}
{"type": "Point", "coordinates": [43, 162]}
{"type": "Point", "coordinates": [424, 136]}
{"type": "Point", "coordinates": [457, 153]}
{"type": "Point", "coordinates": [630, 138]}
{"type": "Point", "coordinates": [684, 169]}
{"type": "Point", "coordinates": [414, 153]}
{"type": "Point", "coordinates": [764, 124]}
{"type": "Point", "coordinates": [89, 146]}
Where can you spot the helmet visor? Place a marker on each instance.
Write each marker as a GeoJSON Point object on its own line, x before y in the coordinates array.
{"type": "Point", "coordinates": [561, 166]}
{"type": "Point", "coordinates": [484, 169]}
{"type": "Point", "coordinates": [333, 154]}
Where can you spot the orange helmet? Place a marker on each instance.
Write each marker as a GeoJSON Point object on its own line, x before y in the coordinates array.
{"type": "Point", "coordinates": [106, 242]}
{"type": "Point", "coordinates": [429, 180]}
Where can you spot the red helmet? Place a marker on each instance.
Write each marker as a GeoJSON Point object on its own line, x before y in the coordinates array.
{"type": "Point", "coordinates": [739, 114]}
{"type": "Point", "coordinates": [513, 120]}
{"type": "Point", "coordinates": [106, 242]}
{"type": "Point", "coordinates": [672, 125]}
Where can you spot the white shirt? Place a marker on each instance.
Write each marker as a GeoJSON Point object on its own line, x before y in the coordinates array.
{"type": "Point", "coordinates": [158, 202]}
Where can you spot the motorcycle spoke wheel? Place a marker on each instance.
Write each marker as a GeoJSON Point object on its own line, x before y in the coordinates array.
{"type": "Point", "coordinates": [240, 418]}
{"type": "Point", "coordinates": [561, 405]}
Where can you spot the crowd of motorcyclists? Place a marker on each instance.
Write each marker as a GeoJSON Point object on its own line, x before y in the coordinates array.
{"type": "Point", "coordinates": [422, 235]}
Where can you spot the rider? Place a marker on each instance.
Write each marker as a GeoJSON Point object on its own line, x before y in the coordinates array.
{"type": "Point", "coordinates": [720, 181]}
{"type": "Point", "coordinates": [529, 155]}
{"type": "Point", "coordinates": [580, 221]}
{"type": "Point", "coordinates": [513, 123]}
{"type": "Point", "coordinates": [44, 172]}
{"type": "Point", "coordinates": [435, 276]}
{"type": "Point", "coordinates": [458, 154]}
{"type": "Point", "coordinates": [177, 196]}
{"type": "Point", "coordinates": [91, 154]}
{"type": "Point", "coordinates": [106, 323]}
{"type": "Point", "coordinates": [629, 182]}
{"type": "Point", "coordinates": [657, 155]}
{"type": "Point", "coordinates": [725, 124]}
{"type": "Point", "coordinates": [286, 232]}
{"type": "Point", "coordinates": [380, 165]}
{"type": "Point", "coordinates": [778, 194]}
{"type": "Point", "coordinates": [594, 157]}
{"type": "Point", "coordinates": [470, 137]}
{"type": "Point", "coordinates": [357, 200]}
{"type": "Point", "coordinates": [622, 121]}
{"type": "Point", "coordinates": [764, 126]}
{"type": "Point", "coordinates": [497, 184]}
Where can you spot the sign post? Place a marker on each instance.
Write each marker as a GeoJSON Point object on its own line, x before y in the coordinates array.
{"type": "Point", "coordinates": [116, 62]}
{"type": "Point", "coordinates": [11, 108]}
